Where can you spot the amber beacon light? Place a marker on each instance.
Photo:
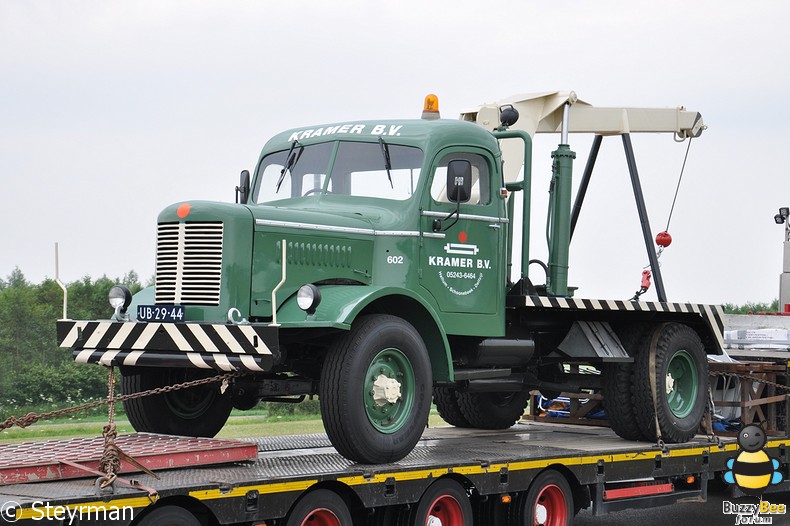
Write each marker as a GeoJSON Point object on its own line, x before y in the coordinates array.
{"type": "Point", "coordinates": [430, 109]}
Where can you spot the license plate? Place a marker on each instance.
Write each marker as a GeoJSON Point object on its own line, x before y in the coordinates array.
{"type": "Point", "coordinates": [164, 313]}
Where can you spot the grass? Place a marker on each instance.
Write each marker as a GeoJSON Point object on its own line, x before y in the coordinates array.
{"type": "Point", "coordinates": [237, 427]}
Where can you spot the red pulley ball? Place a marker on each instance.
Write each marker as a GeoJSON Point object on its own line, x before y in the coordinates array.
{"type": "Point", "coordinates": [663, 239]}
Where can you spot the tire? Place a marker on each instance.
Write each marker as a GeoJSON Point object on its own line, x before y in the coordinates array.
{"type": "Point", "coordinates": [681, 383]}
{"type": "Point", "coordinates": [444, 502]}
{"type": "Point", "coordinates": [197, 412]}
{"type": "Point", "coordinates": [548, 502]}
{"type": "Point", "coordinates": [321, 507]}
{"type": "Point", "coordinates": [618, 402]}
{"type": "Point", "coordinates": [169, 516]}
{"type": "Point", "coordinates": [493, 410]}
{"type": "Point", "coordinates": [618, 381]}
{"type": "Point", "coordinates": [375, 390]}
{"type": "Point", "coordinates": [446, 400]}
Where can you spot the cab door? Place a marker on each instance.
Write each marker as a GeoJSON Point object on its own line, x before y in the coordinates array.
{"type": "Point", "coordinates": [459, 262]}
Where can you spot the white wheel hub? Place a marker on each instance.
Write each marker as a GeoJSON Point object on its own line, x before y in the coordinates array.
{"type": "Point", "coordinates": [386, 391]}
{"type": "Point", "coordinates": [433, 521]}
{"type": "Point", "coordinates": [541, 514]}
{"type": "Point", "coordinates": [670, 384]}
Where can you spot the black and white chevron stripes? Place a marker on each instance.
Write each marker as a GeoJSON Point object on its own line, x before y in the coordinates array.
{"type": "Point", "coordinates": [712, 314]}
{"type": "Point", "coordinates": [223, 347]}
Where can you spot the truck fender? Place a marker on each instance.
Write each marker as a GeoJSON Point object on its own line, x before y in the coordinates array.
{"type": "Point", "coordinates": [341, 304]}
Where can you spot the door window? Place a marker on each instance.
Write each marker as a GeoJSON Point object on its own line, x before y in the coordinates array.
{"type": "Point", "coordinates": [481, 189]}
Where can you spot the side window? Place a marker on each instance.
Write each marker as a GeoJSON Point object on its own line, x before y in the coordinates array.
{"type": "Point", "coordinates": [481, 186]}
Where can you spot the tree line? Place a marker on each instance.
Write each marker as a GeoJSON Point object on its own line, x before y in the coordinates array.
{"type": "Point", "coordinates": [34, 372]}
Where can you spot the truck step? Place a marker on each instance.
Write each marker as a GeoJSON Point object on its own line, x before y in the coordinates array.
{"type": "Point", "coordinates": [42, 461]}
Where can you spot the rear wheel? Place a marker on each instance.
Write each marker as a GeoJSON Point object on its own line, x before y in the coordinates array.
{"type": "Point", "coordinates": [375, 390]}
{"type": "Point", "coordinates": [446, 400]}
{"type": "Point", "coordinates": [197, 411]}
{"type": "Point", "coordinates": [549, 502]}
{"type": "Point", "coordinates": [493, 410]}
{"type": "Point", "coordinates": [681, 376]}
{"type": "Point", "coordinates": [444, 503]}
{"type": "Point", "coordinates": [321, 507]}
{"type": "Point", "coordinates": [618, 380]}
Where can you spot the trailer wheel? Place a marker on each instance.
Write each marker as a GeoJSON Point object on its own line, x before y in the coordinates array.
{"type": "Point", "coordinates": [321, 507]}
{"type": "Point", "coordinates": [493, 410]}
{"type": "Point", "coordinates": [198, 411]}
{"type": "Point", "coordinates": [169, 516]}
{"type": "Point", "coordinates": [681, 375]}
{"type": "Point", "coordinates": [548, 502]}
{"type": "Point", "coordinates": [446, 400]}
{"type": "Point", "coordinates": [375, 390]}
{"type": "Point", "coordinates": [444, 503]}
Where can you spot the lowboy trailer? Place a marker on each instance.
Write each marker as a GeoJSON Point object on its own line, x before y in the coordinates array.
{"type": "Point", "coordinates": [533, 473]}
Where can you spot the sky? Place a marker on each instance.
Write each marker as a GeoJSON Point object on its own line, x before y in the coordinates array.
{"type": "Point", "coordinates": [110, 111]}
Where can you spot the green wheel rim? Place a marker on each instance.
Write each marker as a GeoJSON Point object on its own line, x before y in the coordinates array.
{"type": "Point", "coordinates": [681, 384]}
{"type": "Point", "coordinates": [389, 391]}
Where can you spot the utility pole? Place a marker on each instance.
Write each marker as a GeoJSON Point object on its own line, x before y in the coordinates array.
{"type": "Point", "coordinates": [783, 218]}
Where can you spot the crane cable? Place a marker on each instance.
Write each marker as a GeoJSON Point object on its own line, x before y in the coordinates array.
{"type": "Point", "coordinates": [663, 239]}
{"type": "Point", "coordinates": [677, 188]}
{"type": "Point", "coordinates": [665, 233]}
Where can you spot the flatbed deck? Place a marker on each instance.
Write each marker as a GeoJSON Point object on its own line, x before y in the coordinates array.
{"type": "Point", "coordinates": [489, 463]}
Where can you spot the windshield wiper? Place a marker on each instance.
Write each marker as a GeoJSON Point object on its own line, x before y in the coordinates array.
{"type": "Point", "coordinates": [290, 162]}
{"type": "Point", "coordinates": [387, 164]}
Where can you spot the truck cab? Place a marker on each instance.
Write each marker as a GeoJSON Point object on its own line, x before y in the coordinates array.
{"type": "Point", "coordinates": [376, 194]}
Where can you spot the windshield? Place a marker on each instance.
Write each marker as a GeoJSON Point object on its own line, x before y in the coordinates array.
{"type": "Point", "coordinates": [363, 169]}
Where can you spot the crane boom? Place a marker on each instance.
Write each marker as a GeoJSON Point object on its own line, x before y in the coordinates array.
{"type": "Point", "coordinates": [542, 113]}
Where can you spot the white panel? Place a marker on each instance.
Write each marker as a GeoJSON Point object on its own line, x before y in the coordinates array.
{"type": "Point", "coordinates": [71, 338]}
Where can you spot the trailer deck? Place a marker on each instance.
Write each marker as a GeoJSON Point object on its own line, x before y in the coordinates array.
{"type": "Point", "coordinates": [488, 463]}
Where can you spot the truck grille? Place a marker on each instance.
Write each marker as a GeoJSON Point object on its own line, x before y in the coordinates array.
{"type": "Point", "coordinates": [189, 263]}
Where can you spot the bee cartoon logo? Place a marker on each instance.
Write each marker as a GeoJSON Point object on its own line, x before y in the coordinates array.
{"type": "Point", "coordinates": [752, 469]}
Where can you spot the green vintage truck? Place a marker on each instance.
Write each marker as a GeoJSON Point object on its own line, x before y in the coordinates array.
{"type": "Point", "coordinates": [369, 263]}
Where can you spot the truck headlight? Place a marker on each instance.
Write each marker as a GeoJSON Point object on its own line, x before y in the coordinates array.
{"type": "Point", "coordinates": [120, 298]}
{"type": "Point", "coordinates": [308, 297]}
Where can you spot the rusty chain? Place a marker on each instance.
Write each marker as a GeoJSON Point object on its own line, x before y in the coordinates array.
{"type": "Point", "coordinates": [31, 418]}
{"type": "Point", "coordinates": [746, 376]}
{"type": "Point", "coordinates": [110, 461]}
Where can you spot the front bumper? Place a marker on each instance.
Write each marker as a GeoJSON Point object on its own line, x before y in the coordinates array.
{"type": "Point", "coordinates": [223, 347]}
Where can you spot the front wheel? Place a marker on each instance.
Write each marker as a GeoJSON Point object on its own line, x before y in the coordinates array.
{"type": "Point", "coordinates": [375, 390]}
{"type": "Point", "coordinates": [681, 380]}
{"type": "Point", "coordinates": [199, 411]}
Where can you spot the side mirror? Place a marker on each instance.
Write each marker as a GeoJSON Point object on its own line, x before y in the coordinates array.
{"type": "Point", "coordinates": [243, 190]}
{"type": "Point", "coordinates": [459, 180]}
